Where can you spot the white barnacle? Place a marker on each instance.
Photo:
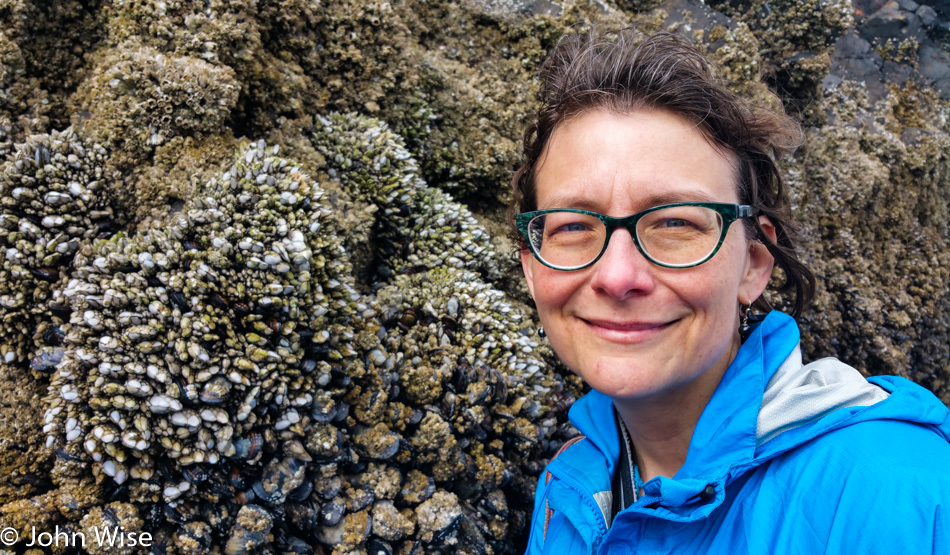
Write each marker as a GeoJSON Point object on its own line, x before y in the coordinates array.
{"type": "Point", "coordinates": [171, 492]}
{"type": "Point", "coordinates": [161, 404]}
{"type": "Point", "coordinates": [109, 468]}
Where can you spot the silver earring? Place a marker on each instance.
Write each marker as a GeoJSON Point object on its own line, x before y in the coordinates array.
{"type": "Point", "coordinates": [744, 320]}
{"type": "Point", "coordinates": [749, 322]}
{"type": "Point", "coordinates": [541, 333]}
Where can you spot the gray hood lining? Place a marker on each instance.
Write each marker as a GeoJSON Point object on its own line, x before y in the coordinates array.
{"type": "Point", "coordinates": [798, 395]}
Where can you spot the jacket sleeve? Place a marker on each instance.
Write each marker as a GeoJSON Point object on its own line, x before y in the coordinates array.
{"type": "Point", "coordinates": [923, 531]}
{"type": "Point", "coordinates": [886, 494]}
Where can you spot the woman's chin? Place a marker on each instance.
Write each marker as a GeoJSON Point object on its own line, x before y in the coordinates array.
{"type": "Point", "coordinates": [621, 377]}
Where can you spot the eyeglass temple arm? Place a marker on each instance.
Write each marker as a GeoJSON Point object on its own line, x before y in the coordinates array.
{"type": "Point", "coordinates": [745, 211]}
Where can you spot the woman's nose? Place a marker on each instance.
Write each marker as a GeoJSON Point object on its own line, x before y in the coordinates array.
{"type": "Point", "coordinates": [622, 271]}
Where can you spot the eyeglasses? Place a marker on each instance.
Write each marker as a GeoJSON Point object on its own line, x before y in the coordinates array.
{"type": "Point", "coordinates": [679, 235]}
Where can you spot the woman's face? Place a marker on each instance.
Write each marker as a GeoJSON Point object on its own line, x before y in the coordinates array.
{"type": "Point", "coordinates": [629, 328]}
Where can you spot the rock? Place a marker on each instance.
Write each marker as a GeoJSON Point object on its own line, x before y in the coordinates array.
{"type": "Point", "coordinates": [892, 22]}
{"type": "Point", "coordinates": [320, 340]}
{"type": "Point", "coordinates": [935, 66]}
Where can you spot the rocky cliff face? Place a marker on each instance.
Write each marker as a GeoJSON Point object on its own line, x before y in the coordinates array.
{"type": "Point", "coordinates": [257, 293]}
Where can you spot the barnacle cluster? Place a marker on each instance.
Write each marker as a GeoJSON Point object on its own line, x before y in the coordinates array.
{"type": "Point", "coordinates": [420, 227]}
{"type": "Point", "coordinates": [192, 336]}
{"type": "Point", "coordinates": [226, 358]}
{"type": "Point", "coordinates": [54, 193]}
{"type": "Point", "coordinates": [140, 97]}
{"type": "Point", "coordinates": [796, 38]}
{"type": "Point", "coordinates": [6, 144]}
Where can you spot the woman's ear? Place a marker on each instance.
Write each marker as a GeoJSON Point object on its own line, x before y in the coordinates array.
{"type": "Point", "coordinates": [760, 263]}
{"type": "Point", "coordinates": [526, 267]}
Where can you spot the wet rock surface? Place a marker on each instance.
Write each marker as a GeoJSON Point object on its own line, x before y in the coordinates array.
{"type": "Point", "coordinates": [316, 340]}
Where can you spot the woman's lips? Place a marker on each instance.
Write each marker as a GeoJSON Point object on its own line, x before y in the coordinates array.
{"type": "Point", "coordinates": [626, 332]}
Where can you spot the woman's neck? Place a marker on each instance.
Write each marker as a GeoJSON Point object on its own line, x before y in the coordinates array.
{"type": "Point", "coordinates": [661, 426]}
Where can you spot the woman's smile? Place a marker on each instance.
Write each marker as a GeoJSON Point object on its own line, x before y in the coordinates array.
{"type": "Point", "coordinates": [618, 331]}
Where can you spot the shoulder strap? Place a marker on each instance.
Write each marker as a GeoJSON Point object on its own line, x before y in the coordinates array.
{"type": "Point", "coordinates": [549, 512]}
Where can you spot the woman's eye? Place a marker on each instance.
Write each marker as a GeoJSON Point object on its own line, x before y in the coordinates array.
{"type": "Point", "coordinates": [674, 222]}
{"type": "Point", "coordinates": [574, 226]}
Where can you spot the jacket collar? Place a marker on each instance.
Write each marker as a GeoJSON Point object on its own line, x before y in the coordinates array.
{"type": "Point", "coordinates": [726, 432]}
{"type": "Point", "coordinates": [724, 438]}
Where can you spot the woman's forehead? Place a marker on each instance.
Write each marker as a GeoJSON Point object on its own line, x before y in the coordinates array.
{"type": "Point", "coordinates": [604, 160]}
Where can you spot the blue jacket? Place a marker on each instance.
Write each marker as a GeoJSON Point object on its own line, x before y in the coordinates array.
{"type": "Point", "coordinates": [803, 459]}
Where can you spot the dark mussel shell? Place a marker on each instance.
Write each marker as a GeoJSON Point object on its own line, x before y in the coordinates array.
{"type": "Point", "coordinates": [293, 545]}
{"type": "Point", "coordinates": [47, 361]}
{"type": "Point", "coordinates": [318, 351]}
{"type": "Point", "coordinates": [45, 274]}
{"type": "Point", "coordinates": [359, 499]}
{"type": "Point", "coordinates": [244, 542]}
{"type": "Point", "coordinates": [196, 473]}
{"type": "Point", "coordinates": [178, 299]}
{"type": "Point", "coordinates": [301, 492]}
{"type": "Point", "coordinates": [216, 390]}
{"type": "Point", "coordinates": [53, 336]}
{"type": "Point", "coordinates": [249, 446]}
{"type": "Point", "coordinates": [304, 515]}
{"type": "Point", "coordinates": [218, 301]}
{"type": "Point", "coordinates": [463, 375]}
{"type": "Point", "coordinates": [494, 504]}
{"type": "Point", "coordinates": [376, 546]}
{"type": "Point", "coordinates": [332, 512]}
{"type": "Point", "coordinates": [328, 487]}
{"type": "Point", "coordinates": [241, 309]}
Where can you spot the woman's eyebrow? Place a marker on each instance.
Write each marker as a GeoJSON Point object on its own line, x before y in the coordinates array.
{"type": "Point", "coordinates": [570, 201]}
{"type": "Point", "coordinates": [669, 197]}
{"type": "Point", "coordinates": [649, 201]}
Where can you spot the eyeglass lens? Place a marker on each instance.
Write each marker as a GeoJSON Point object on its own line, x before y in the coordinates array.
{"type": "Point", "coordinates": [676, 235]}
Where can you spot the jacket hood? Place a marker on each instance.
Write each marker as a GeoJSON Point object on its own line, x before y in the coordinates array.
{"type": "Point", "coordinates": [787, 405]}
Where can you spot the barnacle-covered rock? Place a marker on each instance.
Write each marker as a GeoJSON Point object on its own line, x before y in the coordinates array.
{"type": "Point", "coordinates": [42, 50]}
{"type": "Point", "coordinates": [224, 357]}
{"type": "Point", "coordinates": [250, 530]}
{"type": "Point", "coordinates": [238, 35]}
{"type": "Point", "coordinates": [482, 396]}
{"type": "Point", "coordinates": [55, 192]}
{"type": "Point", "coordinates": [107, 529]}
{"type": "Point", "coordinates": [796, 38]}
{"type": "Point", "coordinates": [390, 398]}
{"type": "Point", "coordinates": [23, 460]}
{"type": "Point", "coordinates": [419, 227]}
{"type": "Point", "coordinates": [459, 96]}
{"type": "Point", "coordinates": [845, 185]}
{"type": "Point", "coordinates": [190, 342]}
{"type": "Point", "coordinates": [211, 31]}
{"type": "Point", "coordinates": [139, 97]}
{"type": "Point", "coordinates": [12, 68]}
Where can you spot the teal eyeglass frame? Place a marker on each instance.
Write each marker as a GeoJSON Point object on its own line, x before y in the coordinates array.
{"type": "Point", "coordinates": [729, 213]}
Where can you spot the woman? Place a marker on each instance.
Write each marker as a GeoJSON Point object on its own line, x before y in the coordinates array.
{"type": "Point", "coordinates": [651, 214]}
